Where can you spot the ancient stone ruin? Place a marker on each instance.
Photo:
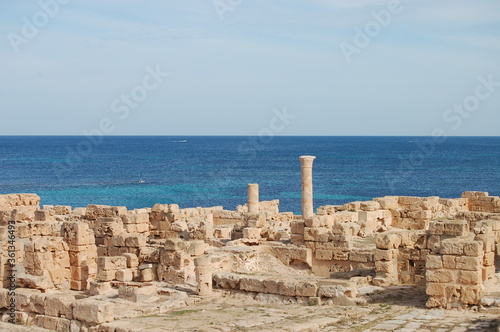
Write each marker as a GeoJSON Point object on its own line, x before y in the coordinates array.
{"type": "Point", "coordinates": [84, 269]}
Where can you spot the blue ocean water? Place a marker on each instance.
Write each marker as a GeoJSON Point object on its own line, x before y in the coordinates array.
{"type": "Point", "coordinates": [205, 171]}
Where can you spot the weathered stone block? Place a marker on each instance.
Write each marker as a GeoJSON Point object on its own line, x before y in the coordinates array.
{"type": "Point", "coordinates": [436, 228]}
{"type": "Point", "coordinates": [252, 284]}
{"type": "Point", "coordinates": [111, 263]}
{"type": "Point", "coordinates": [387, 240]}
{"type": "Point", "coordinates": [434, 262]}
{"type": "Point", "coordinates": [175, 244]}
{"type": "Point", "coordinates": [449, 261]}
{"type": "Point", "coordinates": [470, 277]}
{"type": "Point", "coordinates": [452, 247]}
{"type": "Point", "coordinates": [106, 275]}
{"type": "Point", "coordinates": [441, 276]}
{"type": "Point", "coordinates": [385, 254]}
{"type": "Point", "coordinates": [251, 233]}
{"type": "Point", "coordinates": [132, 260]}
{"type": "Point", "coordinates": [271, 286]}
{"type": "Point", "coordinates": [468, 263]}
{"type": "Point", "coordinates": [287, 287]}
{"type": "Point", "coordinates": [124, 275]}
{"type": "Point", "coordinates": [59, 305]}
{"type": "Point", "coordinates": [297, 227]}
{"type": "Point", "coordinates": [93, 311]}
{"type": "Point", "coordinates": [100, 288]}
{"type": "Point", "coordinates": [474, 248]}
{"type": "Point", "coordinates": [385, 266]}
{"type": "Point", "coordinates": [456, 228]}
{"type": "Point", "coordinates": [488, 242]}
{"type": "Point", "coordinates": [435, 289]}
{"type": "Point", "coordinates": [331, 291]}
{"type": "Point", "coordinates": [137, 293]}
{"type": "Point", "coordinates": [489, 259]}
{"type": "Point", "coordinates": [471, 294]}
{"type": "Point", "coordinates": [323, 254]}
{"type": "Point", "coordinates": [307, 288]}
{"type": "Point", "coordinates": [361, 256]}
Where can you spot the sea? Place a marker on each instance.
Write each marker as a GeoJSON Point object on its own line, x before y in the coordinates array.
{"type": "Point", "coordinates": [140, 171]}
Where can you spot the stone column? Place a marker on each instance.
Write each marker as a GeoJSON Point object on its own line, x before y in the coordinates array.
{"type": "Point", "coordinates": [253, 198]}
{"type": "Point", "coordinates": [203, 272]}
{"type": "Point", "coordinates": [306, 163]}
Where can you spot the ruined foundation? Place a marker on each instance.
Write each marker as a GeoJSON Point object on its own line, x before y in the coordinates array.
{"type": "Point", "coordinates": [85, 269]}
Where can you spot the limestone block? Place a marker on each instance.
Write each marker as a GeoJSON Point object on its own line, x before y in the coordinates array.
{"type": "Point", "coordinates": [474, 248]}
{"type": "Point", "coordinates": [135, 218]}
{"type": "Point", "coordinates": [100, 288]}
{"type": "Point", "coordinates": [388, 202]}
{"type": "Point", "coordinates": [434, 243]}
{"type": "Point", "coordinates": [489, 259]}
{"type": "Point", "coordinates": [313, 222]}
{"type": "Point", "coordinates": [147, 275]}
{"type": "Point", "coordinates": [387, 240]}
{"type": "Point", "coordinates": [441, 276]}
{"type": "Point", "coordinates": [93, 311]}
{"type": "Point", "coordinates": [488, 271]}
{"type": "Point", "coordinates": [456, 228]}
{"type": "Point", "coordinates": [306, 288]}
{"type": "Point", "coordinates": [488, 242]}
{"type": "Point", "coordinates": [135, 240]}
{"type": "Point", "coordinates": [316, 234]}
{"type": "Point", "coordinates": [370, 206]}
{"type": "Point", "coordinates": [271, 286]}
{"type": "Point", "coordinates": [37, 303]}
{"type": "Point", "coordinates": [124, 275]}
{"type": "Point", "coordinates": [287, 287]}
{"type": "Point", "coordinates": [434, 262]}
{"type": "Point", "coordinates": [223, 233]}
{"type": "Point", "coordinates": [435, 289]}
{"type": "Point", "coordinates": [471, 294]}
{"type": "Point", "coordinates": [449, 261]}
{"type": "Point", "coordinates": [132, 260]}
{"type": "Point", "coordinates": [137, 293]}
{"type": "Point", "coordinates": [297, 239]}
{"type": "Point", "coordinates": [50, 323]}
{"type": "Point", "coordinates": [297, 227]}
{"type": "Point", "coordinates": [111, 263]}
{"type": "Point", "coordinates": [59, 305]}
{"type": "Point", "coordinates": [257, 220]}
{"type": "Point", "coordinates": [175, 244]}
{"type": "Point", "coordinates": [468, 263]}
{"type": "Point", "coordinates": [251, 233]}
{"type": "Point", "coordinates": [227, 280]}
{"type": "Point", "coordinates": [106, 275]}
{"type": "Point", "coordinates": [470, 277]}
{"type": "Point", "coordinates": [252, 284]}
{"type": "Point", "coordinates": [452, 247]}
{"type": "Point", "coordinates": [323, 254]}
{"type": "Point", "coordinates": [361, 256]}
{"type": "Point", "coordinates": [340, 254]}
{"type": "Point", "coordinates": [42, 215]}
{"type": "Point", "coordinates": [436, 228]}
{"type": "Point", "coordinates": [79, 273]}
{"type": "Point", "coordinates": [331, 291]}
{"type": "Point", "coordinates": [385, 254]}
{"type": "Point", "coordinates": [385, 266]}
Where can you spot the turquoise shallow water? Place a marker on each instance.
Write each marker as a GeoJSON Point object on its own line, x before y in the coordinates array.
{"type": "Point", "coordinates": [205, 171]}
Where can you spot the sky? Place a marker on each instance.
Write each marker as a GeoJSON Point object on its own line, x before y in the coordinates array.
{"type": "Point", "coordinates": [250, 67]}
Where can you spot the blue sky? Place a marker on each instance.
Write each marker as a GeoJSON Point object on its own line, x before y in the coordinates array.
{"type": "Point", "coordinates": [230, 63]}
